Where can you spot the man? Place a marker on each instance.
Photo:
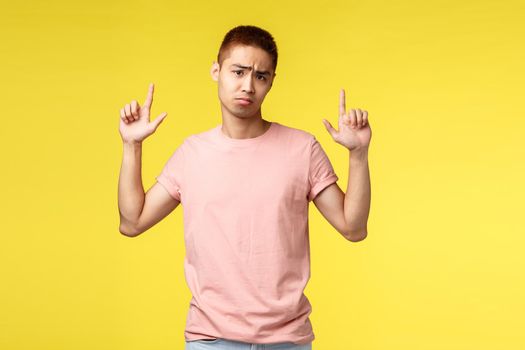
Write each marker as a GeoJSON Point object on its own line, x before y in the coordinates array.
{"type": "Point", "coordinates": [245, 186]}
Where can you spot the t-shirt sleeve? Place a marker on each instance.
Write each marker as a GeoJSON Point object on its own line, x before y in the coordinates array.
{"type": "Point", "coordinates": [321, 173]}
{"type": "Point", "coordinates": [171, 176]}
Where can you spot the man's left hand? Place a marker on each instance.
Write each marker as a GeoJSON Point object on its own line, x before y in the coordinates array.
{"type": "Point", "coordinates": [354, 129]}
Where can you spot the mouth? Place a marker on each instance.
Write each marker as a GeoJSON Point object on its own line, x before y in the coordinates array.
{"type": "Point", "coordinates": [244, 101]}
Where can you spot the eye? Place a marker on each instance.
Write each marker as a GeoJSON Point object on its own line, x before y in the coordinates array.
{"type": "Point", "coordinates": [240, 71]}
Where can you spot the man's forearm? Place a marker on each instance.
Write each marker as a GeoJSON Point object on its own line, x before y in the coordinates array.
{"type": "Point", "coordinates": [130, 189]}
{"type": "Point", "coordinates": [357, 197]}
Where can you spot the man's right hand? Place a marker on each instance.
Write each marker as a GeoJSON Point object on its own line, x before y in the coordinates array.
{"type": "Point", "coordinates": [135, 125]}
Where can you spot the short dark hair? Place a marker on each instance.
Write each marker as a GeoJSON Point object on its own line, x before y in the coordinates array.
{"type": "Point", "coordinates": [251, 36]}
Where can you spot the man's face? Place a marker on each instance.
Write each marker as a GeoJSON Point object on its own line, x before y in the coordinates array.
{"type": "Point", "coordinates": [246, 73]}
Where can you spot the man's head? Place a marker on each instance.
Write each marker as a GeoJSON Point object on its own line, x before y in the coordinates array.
{"type": "Point", "coordinates": [248, 36]}
{"type": "Point", "coordinates": [245, 68]}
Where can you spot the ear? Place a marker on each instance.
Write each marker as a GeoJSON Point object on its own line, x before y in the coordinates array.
{"type": "Point", "coordinates": [214, 71]}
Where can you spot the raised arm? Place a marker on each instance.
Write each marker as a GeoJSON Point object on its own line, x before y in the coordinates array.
{"type": "Point", "coordinates": [138, 210]}
{"type": "Point", "coordinates": [348, 212]}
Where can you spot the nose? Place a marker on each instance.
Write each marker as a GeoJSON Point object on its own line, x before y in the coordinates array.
{"type": "Point", "coordinates": [247, 84]}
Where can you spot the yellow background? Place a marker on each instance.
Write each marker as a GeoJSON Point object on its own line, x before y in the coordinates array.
{"type": "Point", "coordinates": [442, 267]}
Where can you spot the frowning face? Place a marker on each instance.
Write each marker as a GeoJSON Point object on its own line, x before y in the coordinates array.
{"type": "Point", "coordinates": [244, 79]}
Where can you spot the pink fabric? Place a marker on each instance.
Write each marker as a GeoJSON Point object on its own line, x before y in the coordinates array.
{"type": "Point", "coordinates": [245, 204]}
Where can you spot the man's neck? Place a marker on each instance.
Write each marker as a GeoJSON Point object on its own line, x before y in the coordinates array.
{"type": "Point", "coordinates": [238, 128]}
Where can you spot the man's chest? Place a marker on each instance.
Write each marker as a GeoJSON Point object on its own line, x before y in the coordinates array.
{"type": "Point", "coordinates": [257, 179]}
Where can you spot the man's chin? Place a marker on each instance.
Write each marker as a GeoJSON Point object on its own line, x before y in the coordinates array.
{"type": "Point", "coordinates": [246, 111]}
{"type": "Point", "coordinates": [243, 112]}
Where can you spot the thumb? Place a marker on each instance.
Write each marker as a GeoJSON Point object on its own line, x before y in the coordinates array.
{"type": "Point", "coordinates": [329, 128]}
{"type": "Point", "coordinates": [155, 123]}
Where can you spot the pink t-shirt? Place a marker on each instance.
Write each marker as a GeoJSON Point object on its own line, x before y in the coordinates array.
{"type": "Point", "coordinates": [245, 204]}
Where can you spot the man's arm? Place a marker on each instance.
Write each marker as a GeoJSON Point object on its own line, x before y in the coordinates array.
{"type": "Point", "coordinates": [348, 213]}
{"type": "Point", "coordinates": [139, 211]}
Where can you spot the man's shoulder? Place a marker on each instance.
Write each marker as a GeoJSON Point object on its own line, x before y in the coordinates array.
{"type": "Point", "coordinates": [296, 133]}
{"type": "Point", "coordinates": [201, 135]}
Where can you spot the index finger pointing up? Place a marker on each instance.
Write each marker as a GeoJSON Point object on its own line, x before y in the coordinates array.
{"type": "Point", "coordinates": [342, 103]}
{"type": "Point", "coordinates": [149, 98]}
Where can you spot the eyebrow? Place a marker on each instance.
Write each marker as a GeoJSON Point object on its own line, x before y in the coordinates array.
{"type": "Point", "coordinates": [265, 72]}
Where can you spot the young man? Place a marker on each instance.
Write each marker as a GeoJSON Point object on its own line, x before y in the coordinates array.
{"type": "Point", "coordinates": [245, 186]}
